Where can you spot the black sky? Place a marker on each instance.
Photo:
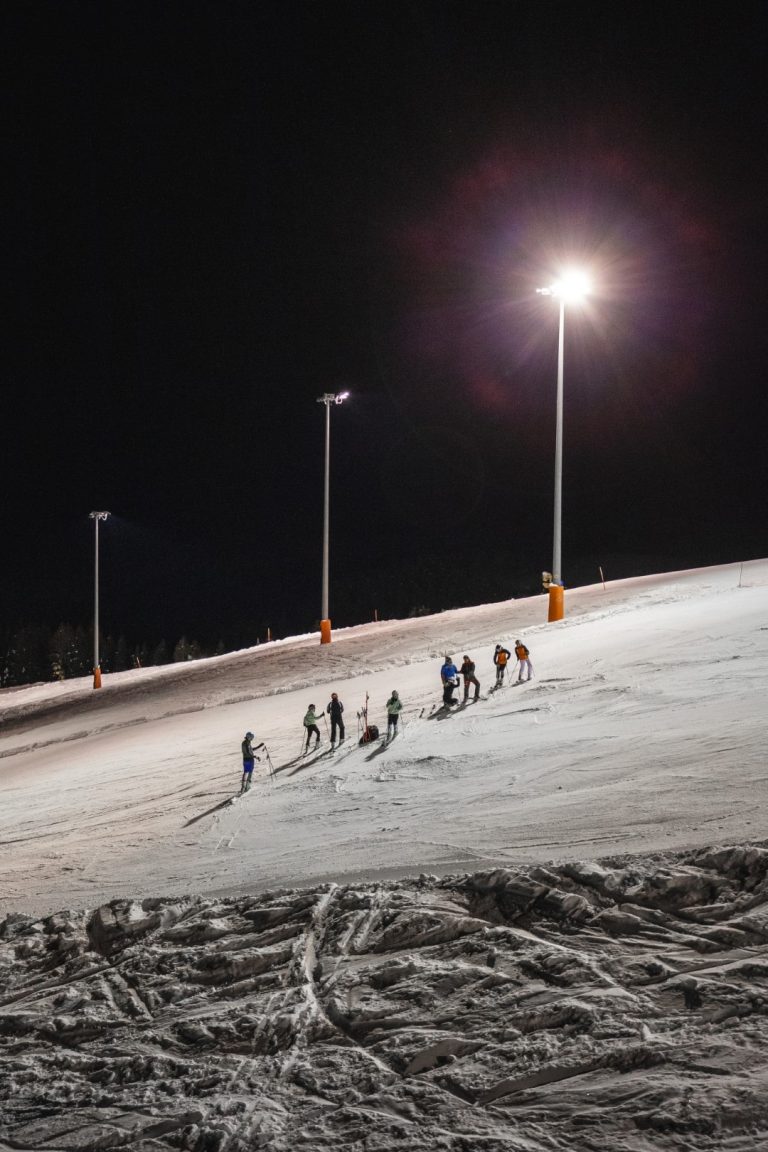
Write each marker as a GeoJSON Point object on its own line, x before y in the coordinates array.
{"type": "Point", "coordinates": [218, 211]}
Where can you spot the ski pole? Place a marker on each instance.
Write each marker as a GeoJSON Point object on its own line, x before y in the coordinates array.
{"type": "Point", "coordinates": [271, 765]}
{"type": "Point", "coordinates": [325, 721]}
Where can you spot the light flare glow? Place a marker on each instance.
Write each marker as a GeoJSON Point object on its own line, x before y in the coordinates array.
{"type": "Point", "coordinates": [572, 286]}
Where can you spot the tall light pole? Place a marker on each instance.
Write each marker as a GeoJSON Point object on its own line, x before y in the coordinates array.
{"type": "Point", "coordinates": [570, 288]}
{"type": "Point", "coordinates": [327, 398]}
{"type": "Point", "coordinates": [96, 517]}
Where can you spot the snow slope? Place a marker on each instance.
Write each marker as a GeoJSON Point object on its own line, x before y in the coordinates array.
{"type": "Point", "coordinates": [644, 729]}
{"type": "Point", "coordinates": [511, 1006]}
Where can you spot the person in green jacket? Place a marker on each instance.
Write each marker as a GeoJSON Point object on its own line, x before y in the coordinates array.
{"type": "Point", "coordinates": [311, 728]}
{"type": "Point", "coordinates": [394, 706]}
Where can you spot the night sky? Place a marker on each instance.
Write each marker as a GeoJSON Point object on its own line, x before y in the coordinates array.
{"type": "Point", "coordinates": [219, 211]}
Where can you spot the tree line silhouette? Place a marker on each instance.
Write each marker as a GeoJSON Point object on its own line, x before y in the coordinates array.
{"type": "Point", "coordinates": [32, 653]}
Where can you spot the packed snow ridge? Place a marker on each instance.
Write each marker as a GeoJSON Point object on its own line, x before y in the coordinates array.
{"type": "Point", "coordinates": [261, 972]}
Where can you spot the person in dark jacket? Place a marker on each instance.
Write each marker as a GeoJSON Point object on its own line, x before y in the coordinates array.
{"type": "Point", "coordinates": [249, 756]}
{"type": "Point", "coordinates": [501, 658]}
{"type": "Point", "coordinates": [449, 674]}
{"type": "Point", "coordinates": [468, 672]}
{"type": "Point", "coordinates": [335, 710]}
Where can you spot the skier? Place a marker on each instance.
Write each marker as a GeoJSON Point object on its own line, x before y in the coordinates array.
{"type": "Point", "coordinates": [249, 755]}
{"type": "Point", "coordinates": [523, 656]}
{"type": "Point", "coordinates": [394, 706]}
{"type": "Point", "coordinates": [449, 674]}
{"type": "Point", "coordinates": [500, 658]}
{"type": "Point", "coordinates": [468, 672]}
{"type": "Point", "coordinates": [334, 710]}
{"type": "Point", "coordinates": [310, 725]}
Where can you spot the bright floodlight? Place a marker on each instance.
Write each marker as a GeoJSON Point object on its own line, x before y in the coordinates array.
{"type": "Point", "coordinates": [573, 285]}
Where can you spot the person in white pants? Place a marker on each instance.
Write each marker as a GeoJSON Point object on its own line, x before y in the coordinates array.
{"type": "Point", "coordinates": [523, 656]}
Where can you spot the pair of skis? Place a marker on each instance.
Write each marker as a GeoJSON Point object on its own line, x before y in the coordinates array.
{"type": "Point", "coordinates": [362, 721]}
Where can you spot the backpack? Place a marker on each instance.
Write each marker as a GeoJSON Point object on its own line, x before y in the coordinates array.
{"type": "Point", "coordinates": [371, 734]}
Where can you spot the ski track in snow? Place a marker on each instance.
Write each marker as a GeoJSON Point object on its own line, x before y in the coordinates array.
{"type": "Point", "coordinates": [312, 994]}
{"type": "Point", "coordinates": [618, 1005]}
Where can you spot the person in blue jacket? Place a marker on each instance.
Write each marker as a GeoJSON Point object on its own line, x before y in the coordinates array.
{"type": "Point", "coordinates": [449, 674]}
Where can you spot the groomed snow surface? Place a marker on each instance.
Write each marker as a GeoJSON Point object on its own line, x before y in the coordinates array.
{"type": "Point", "coordinates": [401, 946]}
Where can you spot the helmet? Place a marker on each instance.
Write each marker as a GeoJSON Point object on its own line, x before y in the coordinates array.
{"type": "Point", "coordinates": [498, 646]}
{"type": "Point", "coordinates": [517, 641]}
{"type": "Point", "coordinates": [312, 706]}
{"type": "Point", "coordinates": [249, 735]}
{"type": "Point", "coordinates": [394, 693]}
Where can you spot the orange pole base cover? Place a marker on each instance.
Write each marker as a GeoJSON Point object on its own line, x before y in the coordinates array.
{"type": "Point", "coordinates": [325, 631]}
{"type": "Point", "coordinates": [97, 677]}
{"type": "Point", "coordinates": [556, 602]}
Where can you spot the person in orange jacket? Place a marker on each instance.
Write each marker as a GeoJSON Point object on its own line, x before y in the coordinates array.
{"type": "Point", "coordinates": [500, 659]}
{"type": "Point", "coordinates": [523, 656]}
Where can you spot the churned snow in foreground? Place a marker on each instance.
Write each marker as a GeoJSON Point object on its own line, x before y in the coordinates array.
{"type": "Point", "coordinates": [618, 1007]}
{"type": "Point", "coordinates": [404, 946]}
{"type": "Point", "coordinates": [643, 729]}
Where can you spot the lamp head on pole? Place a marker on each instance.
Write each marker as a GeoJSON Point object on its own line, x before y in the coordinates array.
{"type": "Point", "coordinates": [99, 515]}
{"type": "Point", "coordinates": [328, 398]}
{"type": "Point", "coordinates": [572, 286]}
